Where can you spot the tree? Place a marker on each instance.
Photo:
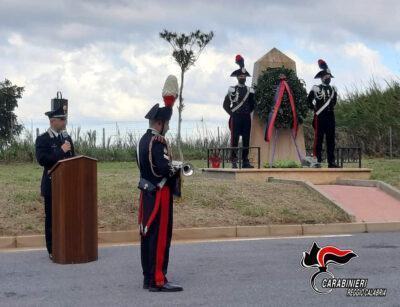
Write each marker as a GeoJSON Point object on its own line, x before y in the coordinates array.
{"type": "Point", "coordinates": [9, 127]}
{"type": "Point", "coordinates": [186, 51]}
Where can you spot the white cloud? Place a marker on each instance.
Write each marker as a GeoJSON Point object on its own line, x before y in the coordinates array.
{"type": "Point", "coordinates": [117, 83]}
{"type": "Point", "coordinates": [305, 70]}
{"type": "Point", "coordinates": [15, 40]}
{"type": "Point", "coordinates": [108, 60]}
{"type": "Point", "coordinates": [369, 60]}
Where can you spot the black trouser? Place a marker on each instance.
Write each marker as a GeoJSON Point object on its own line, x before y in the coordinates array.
{"type": "Point", "coordinates": [48, 223]}
{"type": "Point", "coordinates": [324, 125]}
{"type": "Point", "coordinates": [240, 125]}
{"type": "Point", "coordinates": [150, 242]}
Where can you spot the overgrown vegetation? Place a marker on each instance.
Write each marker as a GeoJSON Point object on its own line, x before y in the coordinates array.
{"type": "Point", "coordinates": [121, 148]}
{"type": "Point", "coordinates": [364, 118]}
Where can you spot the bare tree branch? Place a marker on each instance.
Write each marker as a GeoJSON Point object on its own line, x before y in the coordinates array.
{"type": "Point", "coordinates": [186, 50]}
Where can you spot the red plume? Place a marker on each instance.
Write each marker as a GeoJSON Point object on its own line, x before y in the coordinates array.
{"type": "Point", "coordinates": [322, 64]}
{"type": "Point", "coordinates": [169, 100]}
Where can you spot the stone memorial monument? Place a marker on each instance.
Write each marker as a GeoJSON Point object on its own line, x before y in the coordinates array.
{"type": "Point", "coordinates": [285, 148]}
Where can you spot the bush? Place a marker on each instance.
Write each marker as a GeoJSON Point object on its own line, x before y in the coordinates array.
{"type": "Point", "coordinates": [364, 118]}
{"type": "Point", "coordinates": [284, 164]}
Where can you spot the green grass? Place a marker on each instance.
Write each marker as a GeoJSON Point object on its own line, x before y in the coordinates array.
{"type": "Point", "coordinates": [385, 170]}
{"type": "Point", "coordinates": [206, 202]}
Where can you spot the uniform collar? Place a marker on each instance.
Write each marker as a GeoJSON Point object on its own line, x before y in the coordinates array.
{"type": "Point", "coordinates": [55, 133]}
{"type": "Point", "coordinates": [154, 131]}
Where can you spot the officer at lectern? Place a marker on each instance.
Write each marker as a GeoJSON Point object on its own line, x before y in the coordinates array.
{"type": "Point", "coordinates": [53, 145]}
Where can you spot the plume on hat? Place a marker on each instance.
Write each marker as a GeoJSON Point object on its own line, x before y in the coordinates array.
{"type": "Point", "coordinates": [322, 64]}
{"type": "Point", "coordinates": [324, 69]}
{"type": "Point", "coordinates": [170, 91]}
{"type": "Point", "coordinates": [239, 60]}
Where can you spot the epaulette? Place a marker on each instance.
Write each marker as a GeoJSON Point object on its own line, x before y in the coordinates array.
{"type": "Point", "coordinates": [160, 138]}
{"type": "Point", "coordinates": [231, 89]}
{"type": "Point", "coordinates": [252, 90]}
{"type": "Point", "coordinates": [316, 88]}
{"type": "Point", "coordinates": [51, 135]}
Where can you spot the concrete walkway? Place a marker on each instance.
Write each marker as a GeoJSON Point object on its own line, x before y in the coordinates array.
{"type": "Point", "coordinates": [367, 204]}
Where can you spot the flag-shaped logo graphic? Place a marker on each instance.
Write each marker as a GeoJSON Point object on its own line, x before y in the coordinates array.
{"type": "Point", "coordinates": [321, 257]}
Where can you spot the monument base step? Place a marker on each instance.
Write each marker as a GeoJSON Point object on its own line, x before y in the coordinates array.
{"type": "Point", "coordinates": [313, 175]}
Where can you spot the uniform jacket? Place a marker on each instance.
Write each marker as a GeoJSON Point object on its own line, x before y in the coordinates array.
{"type": "Point", "coordinates": [235, 96]}
{"type": "Point", "coordinates": [48, 153]}
{"type": "Point", "coordinates": [319, 95]}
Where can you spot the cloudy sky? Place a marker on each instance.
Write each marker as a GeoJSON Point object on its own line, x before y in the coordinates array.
{"type": "Point", "coordinates": [108, 60]}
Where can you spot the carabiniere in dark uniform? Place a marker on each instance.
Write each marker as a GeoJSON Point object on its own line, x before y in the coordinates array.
{"type": "Point", "coordinates": [239, 103]}
{"type": "Point", "coordinates": [48, 152]}
{"type": "Point", "coordinates": [322, 99]}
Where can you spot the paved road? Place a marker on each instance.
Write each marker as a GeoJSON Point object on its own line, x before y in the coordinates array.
{"type": "Point", "coordinates": [234, 273]}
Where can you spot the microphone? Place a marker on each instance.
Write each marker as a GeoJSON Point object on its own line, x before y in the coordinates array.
{"type": "Point", "coordinates": [65, 135]}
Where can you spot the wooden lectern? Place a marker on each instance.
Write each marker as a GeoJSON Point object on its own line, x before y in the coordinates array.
{"type": "Point", "coordinates": [74, 206]}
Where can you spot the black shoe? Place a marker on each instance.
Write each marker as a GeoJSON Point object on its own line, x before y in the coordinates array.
{"type": "Point", "coordinates": [246, 164]}
{"type": "Point", "coordinates": [51, 257]}
{"type": "Point", "coordinates": [234, 165]}
{"type": "Point", "coordinates": [167, 287]}
{"type": "Point", "coordinates": [146, 284]}
{"type": "Point", "coordinates": [333, 165]}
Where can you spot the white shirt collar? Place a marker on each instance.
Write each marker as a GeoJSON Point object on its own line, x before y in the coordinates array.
{"type": "Point", "coordinates": [54, 132]}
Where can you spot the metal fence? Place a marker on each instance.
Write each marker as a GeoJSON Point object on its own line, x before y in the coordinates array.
{"type": "Point", "coordinates": [343, 155]}
{"type": "Point", "coordinates": [220, 156]}
{"type": "Point", "coordinates": [223, 155]}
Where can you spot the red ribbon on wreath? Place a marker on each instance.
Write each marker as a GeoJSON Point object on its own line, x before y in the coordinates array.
{"type": "Point", "coordinates": [283, 86]}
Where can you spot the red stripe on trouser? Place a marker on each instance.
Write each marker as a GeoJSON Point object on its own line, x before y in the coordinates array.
{"type": "Point", "coordinates": [315, 134]}
{"type": "Point", "coordinates": [159, 277]}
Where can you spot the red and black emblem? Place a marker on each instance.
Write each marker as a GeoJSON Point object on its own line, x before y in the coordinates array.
{"type": "Point", "coordinates": [320, 258]}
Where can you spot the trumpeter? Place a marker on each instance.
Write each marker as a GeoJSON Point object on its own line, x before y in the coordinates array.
{"type": "Point", "coordinates": [157, 182]}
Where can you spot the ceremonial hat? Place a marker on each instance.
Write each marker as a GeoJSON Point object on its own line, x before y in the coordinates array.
{"type": "Point", "coordinates": [324, 70]}
{"type": "Point", "coordinates": [157, 113]}
{"type": "Point", "coordinates": [242, 70]}
{"type": "Point", "coordinates": [59, 107]}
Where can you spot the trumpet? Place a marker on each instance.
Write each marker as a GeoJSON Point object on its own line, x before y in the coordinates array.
{"type": "Point", "coordinates": [186, 168]}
